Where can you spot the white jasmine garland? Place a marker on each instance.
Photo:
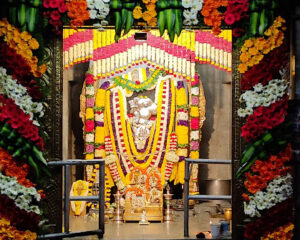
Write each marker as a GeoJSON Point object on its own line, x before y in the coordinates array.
{"type": "Point", "coordinates": [12, 89]}
{"type": "Point", "coordinates": [21, 195]}
{"type": "Point", "coordinates": [262, 96]}
{"type": "Point", "coordinates": [277, 191]}
{"type": "Point", "coordinates": [192, 7]}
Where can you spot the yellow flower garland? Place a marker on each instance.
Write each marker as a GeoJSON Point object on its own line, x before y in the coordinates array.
{"type": "Point", "coordinates": [171, 124]}
{"type": "Point", "coordinates": [157, 131]}
{"type": "Point", "coordinates": [110, 132]}
{"type": "Point", "coordinates": [9, 232]}
{"type": "Point", "coordinates": [138, 155]}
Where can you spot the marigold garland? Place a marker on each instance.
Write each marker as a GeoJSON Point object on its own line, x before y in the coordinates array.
{"type": "Point", "coordinates": [12, 168]}
{"type": "Point", "coordinates": [9, 232]}
{"type": "Point", "coordinates": [266, 171]}
{"type": "Point", "coordinates": [23, 43]}
{"type": "Point", "coordinates": [254, 49]}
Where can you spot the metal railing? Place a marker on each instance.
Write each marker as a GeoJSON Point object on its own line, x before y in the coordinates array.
{"type": "Point", "coordinates": [188, 197]}
{"type": "Point", "coordinates": [67, 199]}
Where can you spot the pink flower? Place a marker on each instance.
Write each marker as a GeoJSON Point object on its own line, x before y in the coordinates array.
{"type": "Point", "coordinates": [90, 102]}
{"type": "Point", "coordinates": [229, 19]}
{"type": "Point", "coordinates": [194, 145]}
{"type": "Point", "coordinates": [46, 3]}
{"type": "Point", "coordinates": [195, 100]}
{"type": "Point", "coordinates": [55, 15]}
{"type": "Point", "coordinates": [54, 3]}
{"type": "Point", "coordinates": [89, 148]}
{"type": "Point", "coordinates": [62, 8]}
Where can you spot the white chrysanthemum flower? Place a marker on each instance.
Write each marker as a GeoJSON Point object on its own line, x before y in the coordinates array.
{"type": "Point", "coordinates": [93, 14]}
{"type": "Point", "coordinates": [258, 87]}
{"type": "Point", "coordinates": [99, 4]}
{"type": "Point", "coordinates": [186, 3]}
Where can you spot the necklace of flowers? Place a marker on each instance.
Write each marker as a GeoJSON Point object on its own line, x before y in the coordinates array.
{"type": "Point", "coordinates": [123, 164]}
{"type": "Point", "coordinates": [22, 196]}
{"type": "Point", "coordinates": [262, 96]}
{"type": "Point", "coordinates": [192, 7]}
{"type": "Point", "coordinates": [112, 159]}
{"type": "Point", "coordinates": [138, 86]}
{"type": "Point", "coordinates": [18, 93]}
{"type": "Point", "coordinates": [277, 191]}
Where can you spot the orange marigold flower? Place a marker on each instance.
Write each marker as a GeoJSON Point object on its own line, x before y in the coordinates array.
{"type": "Point", "coordinates": [26, 36]}
{"type": "Point", "coordinates": [147, 16]}
{"type": "Point", "coordinates": [150, 6]}
{"type": "Point", "coordinates": [152, 22]}
{"type": "Point", "coordinates": [137, 12]}
{"type": "Point", "coordinates": [33, 44]}
{"type": "Point", "coordinates": [146, 1]}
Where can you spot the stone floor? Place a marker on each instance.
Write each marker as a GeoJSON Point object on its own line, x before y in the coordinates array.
{"type": "Point", "coordinates": [199, 221]}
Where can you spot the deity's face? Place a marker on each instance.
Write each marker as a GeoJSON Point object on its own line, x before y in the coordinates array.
{"type": "Point", "coordinates": [135, 75]}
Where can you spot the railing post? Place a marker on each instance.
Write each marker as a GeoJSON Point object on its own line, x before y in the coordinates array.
{"type": "Point", "coordinates": [186, 199]}
{"type": "Point", "coordinates": [101, 197]}
{"type": "Point", "coordinates": [67, 199]}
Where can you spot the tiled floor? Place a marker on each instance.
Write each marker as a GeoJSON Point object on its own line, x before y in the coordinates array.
{"type": "Point", "coordinates": [199, 221]}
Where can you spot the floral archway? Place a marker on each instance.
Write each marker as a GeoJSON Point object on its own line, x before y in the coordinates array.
{"type": "Point", "coordinates": [259, 32]}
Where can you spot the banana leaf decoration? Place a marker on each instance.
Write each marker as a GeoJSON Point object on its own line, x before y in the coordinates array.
{"type": "Point", "coordinates": [24, 14]}
{"type": "Point", "coordinates": [169, 17]}
{"type": "Point", "coordinates": [123, 16]}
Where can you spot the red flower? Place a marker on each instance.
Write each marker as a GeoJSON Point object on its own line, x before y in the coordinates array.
{"type": "Point", "coordinates": [55, 15]}
{"type": "Point", "coordinates": [89, 126]}
{"type": "Point", "coordinates": [46, 3]}
{"type": "Point", "coordinates": [237, 32]}
{"type": "Point", "coordinates": [264, 118]}
{"type": "Point", "coordinates": [13, 115]}
{"type": "Point", "coordinates": [54, 3]}
{"type": "Point", "coordinates": [18, 218]}
{"type": "Point", "coordinates": [62, 8]}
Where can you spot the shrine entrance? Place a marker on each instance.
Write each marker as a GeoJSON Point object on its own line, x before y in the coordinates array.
{"type": "Point", "coordinates": [144, 105]}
